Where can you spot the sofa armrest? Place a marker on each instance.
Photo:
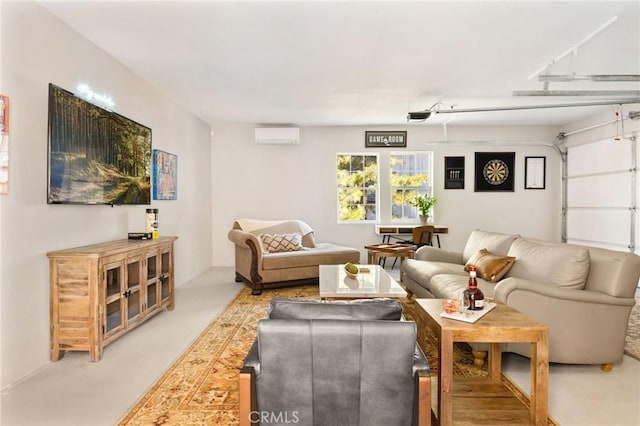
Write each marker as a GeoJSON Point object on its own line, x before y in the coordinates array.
{"type": "Point", "coordinates": [253, 358]}
{"type": "Point", "coordinates": [510, 287]}
{"type": "Point", "coordinates": [422, 376]}
{"type": "Point", "coordinates": [248, 255]}
{"type": "Point", "coordinates": [437, 255]}
{"type": "Point", "coordinates": [248, 402]}
{"type": "Point", "coordinates": [240, 238]}
{"type": "Point", "coordinates": [585, 327]}
{"type": "Point", "coordinates": [420, 363]}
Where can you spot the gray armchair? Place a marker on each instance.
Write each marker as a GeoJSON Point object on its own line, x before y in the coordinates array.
{"type": "Point", "coordinates": [334, 370]}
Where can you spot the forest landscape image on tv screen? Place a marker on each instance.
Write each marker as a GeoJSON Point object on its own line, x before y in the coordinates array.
{"type": "Point", "coordinates": [95, 155]}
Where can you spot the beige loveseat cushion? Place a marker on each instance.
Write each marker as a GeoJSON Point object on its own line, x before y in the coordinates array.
{"type": "Point", "coordinates": [422, 272]}
{"type": "Point", "coordinates": [551, 263]}
{"type": "Point", "coordinates": [322, 254]}
{"type": "Point", "coordinates": [494, 242]}
{"type": "Point", "coordinates": [445, 286]}
{"type": "Point", "coordinates": [613, 272]}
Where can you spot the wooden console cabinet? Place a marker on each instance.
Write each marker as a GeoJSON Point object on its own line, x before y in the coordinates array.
{"type": "Point", "coordinates": [101, 291]}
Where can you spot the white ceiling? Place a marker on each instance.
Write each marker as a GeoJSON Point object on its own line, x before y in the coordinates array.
{"type": "Point", "coordinates": [363, 63]}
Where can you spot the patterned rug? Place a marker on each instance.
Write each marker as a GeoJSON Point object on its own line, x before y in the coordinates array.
{"type": "Point", "coordinates": [201, 387]}
{"type": "Point", "coordinates": [632, 344]}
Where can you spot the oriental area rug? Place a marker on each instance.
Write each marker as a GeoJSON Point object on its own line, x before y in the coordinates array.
{"type": "Point", "coordinates": [201, 387]}
{"type": "Point", "coordinates": [632, 343]}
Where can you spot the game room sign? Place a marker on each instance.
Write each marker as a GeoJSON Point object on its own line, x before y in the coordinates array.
{"type": "Point", "coordinates": [378, 139]}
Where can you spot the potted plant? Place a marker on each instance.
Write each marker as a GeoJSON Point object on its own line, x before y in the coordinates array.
{"type": "Point", "coordinates": [424, 203]}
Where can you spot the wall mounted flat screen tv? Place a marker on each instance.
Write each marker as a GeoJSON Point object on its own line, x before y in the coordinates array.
{"type": "Point", "coordinates": [95, 155]}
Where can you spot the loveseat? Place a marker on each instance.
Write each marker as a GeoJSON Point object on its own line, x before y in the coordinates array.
{"type": "Point", "coordinates": [583, 294]}
{"type": "Point", "coordinates": [280, 253]}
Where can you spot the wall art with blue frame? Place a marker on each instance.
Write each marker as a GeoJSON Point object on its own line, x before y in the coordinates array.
{"type": "Point", "coordinates": [165, 175]}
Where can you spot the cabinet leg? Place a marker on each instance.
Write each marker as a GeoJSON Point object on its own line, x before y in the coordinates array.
{"type": "Point", "coordinates": [56, 354]}
{"type": "Point", "coordinates": [95, 355]}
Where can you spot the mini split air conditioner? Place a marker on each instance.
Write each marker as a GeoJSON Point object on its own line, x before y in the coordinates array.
{"type": "Point", "coordinates": [277, 135]}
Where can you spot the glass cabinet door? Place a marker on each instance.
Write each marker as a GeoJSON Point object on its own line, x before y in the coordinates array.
{"type": "Point", "coordinates": [133, 287]}
{"type": "Point", "coordinates": [113, 317]}
{"type": "Point", "coordinates": [165, 277]}
{"type": "Point", "coordinates": [152, 282]}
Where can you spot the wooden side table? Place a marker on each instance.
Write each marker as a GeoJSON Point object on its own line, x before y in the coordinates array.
{"type": "Point", "coordinates": [474, 397]}
{"type": "Point", "coordinates": [376, 251]}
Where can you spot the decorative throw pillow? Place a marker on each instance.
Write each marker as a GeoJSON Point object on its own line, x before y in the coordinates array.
{"type": "Point", "coordinates": [490, 267]}
{"type": "Point", "coordinates": [274, 243]}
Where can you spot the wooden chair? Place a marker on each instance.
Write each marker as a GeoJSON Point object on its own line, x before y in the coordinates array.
{"type": "Point", "coordinates": [423, 235]}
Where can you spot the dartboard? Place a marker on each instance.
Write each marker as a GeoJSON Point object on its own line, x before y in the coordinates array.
{"type": "Point", "coordinates": [495, 172]}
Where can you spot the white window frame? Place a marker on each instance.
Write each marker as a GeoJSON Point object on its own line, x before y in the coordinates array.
{"type": "Point", "coordinates": [426, 188]}
{"type": "Point", "coordinates": [376, 188]}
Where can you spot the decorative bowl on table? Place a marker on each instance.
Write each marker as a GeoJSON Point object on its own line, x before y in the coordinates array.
{"type": "Point", "coordinates": [351, 270]}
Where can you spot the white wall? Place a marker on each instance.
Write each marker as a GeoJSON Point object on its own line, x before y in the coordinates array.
{"type": "Point", "coordinates": [298, 181]}
{"type": "Point", "coordinates": [1, 197]}
{"type": "Point", "coordinates": [38, 49]}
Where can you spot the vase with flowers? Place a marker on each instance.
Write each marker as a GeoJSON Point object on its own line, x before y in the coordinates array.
{"type": "Point", "coordinates": [424, 203]}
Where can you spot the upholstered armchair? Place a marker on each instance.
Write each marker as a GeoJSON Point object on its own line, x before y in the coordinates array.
{"type": "Point", "coordinates": [334, 369]}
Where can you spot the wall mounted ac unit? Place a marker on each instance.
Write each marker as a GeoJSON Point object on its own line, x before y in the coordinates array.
{"type": "Point", "coordinates": [277, 135]}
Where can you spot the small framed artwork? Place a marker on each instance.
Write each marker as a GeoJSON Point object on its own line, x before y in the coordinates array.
{"type": "Point", "coordinates": [379, 139]}
{"type": "Point", "coordinates": [165, 175]}
{"type": "Point", "coordinates": [453, 172]}
{"type": "Point", "coordinates": [494, 171]}
{"type": "Point", "coordinates": [534, 172]}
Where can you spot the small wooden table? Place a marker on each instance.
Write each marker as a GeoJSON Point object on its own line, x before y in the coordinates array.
{"type": "Point", "coordinates": [502, 324]}
{"type": "Point", "coordinates": [376, 251]}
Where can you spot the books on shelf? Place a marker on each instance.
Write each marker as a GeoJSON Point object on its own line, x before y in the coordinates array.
{"type": "Point", "coordinates": [470, 316]}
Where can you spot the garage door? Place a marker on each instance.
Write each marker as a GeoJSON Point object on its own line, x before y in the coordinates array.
{"type": "Point", "coordinates": [602, 192]}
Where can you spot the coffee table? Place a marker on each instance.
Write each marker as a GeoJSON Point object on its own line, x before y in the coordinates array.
{"type": "Point", "coordinates": [335, 284]}
{"type": "Point", "coordinates": [486, 401]}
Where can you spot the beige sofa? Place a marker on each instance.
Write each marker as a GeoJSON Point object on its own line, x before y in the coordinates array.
{"type": "Point", "coordinates": [280, 253]}
{"type": "Point", "coordinates": [583, 294]}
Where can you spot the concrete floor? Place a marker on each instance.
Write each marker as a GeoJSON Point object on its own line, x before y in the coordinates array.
{"type": "Point", "coordinates": [76, 391]}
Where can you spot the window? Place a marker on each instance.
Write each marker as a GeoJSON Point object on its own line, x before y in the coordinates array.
{"type": "Point", "coordinates": [357, 182]}
{"type": "Point", "coordinates": [411, 174]}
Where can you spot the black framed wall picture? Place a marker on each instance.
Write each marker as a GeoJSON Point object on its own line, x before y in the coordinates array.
{"type": "Point", "coordinates": [535, 172]}
{"type": "Point", "coordinates": [494, 171]}
{"type": "Point", "coordinates": [453, 172]}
